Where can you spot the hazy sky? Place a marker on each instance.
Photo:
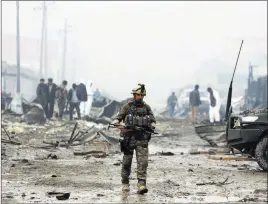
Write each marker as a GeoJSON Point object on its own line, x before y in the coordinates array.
{"type": "Point", "coordinates": [161, 44]}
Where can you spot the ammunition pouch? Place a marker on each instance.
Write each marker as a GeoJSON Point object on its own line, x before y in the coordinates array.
{"type": "Point", "coordinates": [140, 121]}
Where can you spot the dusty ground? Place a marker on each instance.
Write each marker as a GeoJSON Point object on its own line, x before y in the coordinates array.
{"type": "Point", "coordinates": [174, 178]}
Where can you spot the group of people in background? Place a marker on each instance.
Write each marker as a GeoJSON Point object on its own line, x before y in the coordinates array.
{"type": "Point", "coordinates": [214, 107]}
{"type": "Point", "coordinates": [195, 102]}
{"type": "Point", "coordinates": [77, 98]}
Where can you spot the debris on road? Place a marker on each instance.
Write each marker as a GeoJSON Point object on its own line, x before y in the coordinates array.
{"type": "Point", "coordinates": [215, 183]}
{"type": "Point", "coordinates": [236, 158]}
{"type": "Point", "coordinates": [165, 153]}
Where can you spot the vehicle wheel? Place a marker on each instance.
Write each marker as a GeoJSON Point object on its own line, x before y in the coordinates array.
{"type": "Point", "coordinates": [261, 153]}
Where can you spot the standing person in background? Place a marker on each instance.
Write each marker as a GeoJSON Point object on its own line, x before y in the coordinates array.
{"type": "Point", "coordinates": [96, 95]}
{"type": "Point", "coordinates": [61, 96]}
{"type": "Point", "coordinates": [42, 95]}
{"type": "Point", "coordinates": [172, 101]}
{"type": "Point", "coordinates": [194, 101]}
{"type": "Point", "coordinates": [89, 97]}
{"type": "Point", "coordinates": [81, 88]}
{"type": "Point", "coordinates": [214, 109]}
{"type": "Point", "coordinates": [74, 101]}
{"type": "Point", "coordinates": [51, 97]}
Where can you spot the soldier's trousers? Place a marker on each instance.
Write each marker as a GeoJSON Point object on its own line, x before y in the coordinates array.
{"type": "Point", "coordinates": [141, 149]}
{"type": "Point", "coordinates": [61, 105]}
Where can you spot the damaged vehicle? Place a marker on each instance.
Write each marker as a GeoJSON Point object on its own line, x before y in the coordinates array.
{"type": "Point", "coordinates": [248, 131]}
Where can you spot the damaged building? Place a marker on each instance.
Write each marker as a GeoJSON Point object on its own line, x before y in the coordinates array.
{"type": "Point", "coordinates": [28, 80]}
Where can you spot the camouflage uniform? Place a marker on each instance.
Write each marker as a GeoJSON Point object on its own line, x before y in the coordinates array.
{"type": "Point", "coordinates": [138, 142]}
{"type": "Point", "coordinates": [61, 96]}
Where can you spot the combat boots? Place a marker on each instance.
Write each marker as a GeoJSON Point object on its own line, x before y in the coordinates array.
{"type": "Point", "coordinates": [142, 187]}
{"type": "Point", "coordinates": [125, 187]}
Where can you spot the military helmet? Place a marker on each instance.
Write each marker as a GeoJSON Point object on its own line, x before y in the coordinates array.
{"type": "Point", "coordinates": [139, 90]}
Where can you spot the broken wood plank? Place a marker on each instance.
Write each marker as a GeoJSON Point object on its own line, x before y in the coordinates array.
{"type": "Point", "coordinates": [215, 183]}
{"type": "Point", "coordinates": [88, 152]}
{"type": "Point", "coordinates": [72, 135]}
{"type": "Point", "coordinates": [231, 158]}
{"type": "Point", "coordinates": [10, 142]}
{"type": "Point", "coordinates": [52, 143]}
{"type": "Point", "coordinates": [67, 145]}
{"type": "Point", "coordinates": [216, 151]}
{"type": "Point", "coordinates": [42, 147]}
{"type": "Point", "coordinates": [6, 132]}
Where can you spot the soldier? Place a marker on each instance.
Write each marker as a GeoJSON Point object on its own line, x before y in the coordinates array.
{"type": "Point", "coordinates": [138, 110]}
{"type": "Point", "coordinates": [61, 96]}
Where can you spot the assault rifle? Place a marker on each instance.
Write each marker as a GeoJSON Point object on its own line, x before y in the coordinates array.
{"type": "Point", "coordinates": [125, 142]}
{"type": "Point", "coordinates": [135, 128]}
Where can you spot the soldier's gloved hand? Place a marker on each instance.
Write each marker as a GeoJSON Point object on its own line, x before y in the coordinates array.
{"type": "Point", "coordinates": [153, 126]}
{"type": "Point", "coordinates": [117, 124]}
{"type": "Point", "coordinates": [128, 126]}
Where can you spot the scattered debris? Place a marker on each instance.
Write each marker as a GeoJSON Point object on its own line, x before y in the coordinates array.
{"type": "Point", "coordinates": [52, 156]}
{"type": "Point", "coordinates": [212, 151]}
{"type": "Point", "coordinates": [36, 115]}
{"type": "Point", "coordinates": [249, 200]}
{"type": "Point", "coordinates": [165, 153]}
{"type": "Point", "coordinates": [213, 134]}
{"type": "Point", "coordinates": [172, 183]}
{"type": "Point", "coordinates": [3, 127]}
{"type": "Point", "coordinates": [59, 195]}
{"type": "Point", "coordinates": [118, 163]}
{"type": "Point", "coordinates": [64, 196]}
{"type": "Point", "coordinates": [10, 142]}
{"type": "Point", "coordinates": [24, 161]}
{"type": "Point", "coordinates": [15, 129]}
{"type": "Point", "coordinates": [260, 191]}
{"type": "Point", "coordinates": [237, 158]}
{"type": "Point", "coordinates": [215, 183]}
{"type": "Point", "coordinates": [78, 153]}
{"type": "Point", "coordinates": [101, 155]}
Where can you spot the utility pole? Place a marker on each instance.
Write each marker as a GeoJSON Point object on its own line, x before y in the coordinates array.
{"type": "Point", "coordinates": [43, 45]}
{"type": "Point", "coordinates": [45, 40]}
{"type": "Point", "coordinates": [42, 40]}
{"type": "Point", "coordinates": [18, 46]}
{"type": "Point", "coordinates": [64, 51]}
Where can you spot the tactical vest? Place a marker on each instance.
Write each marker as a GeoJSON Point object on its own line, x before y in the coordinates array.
{"type": "Point", "coordinates": [137, 116]}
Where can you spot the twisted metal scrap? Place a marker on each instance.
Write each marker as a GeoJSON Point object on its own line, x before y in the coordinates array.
{"type": "Point", "coordinates": [254, 112]}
